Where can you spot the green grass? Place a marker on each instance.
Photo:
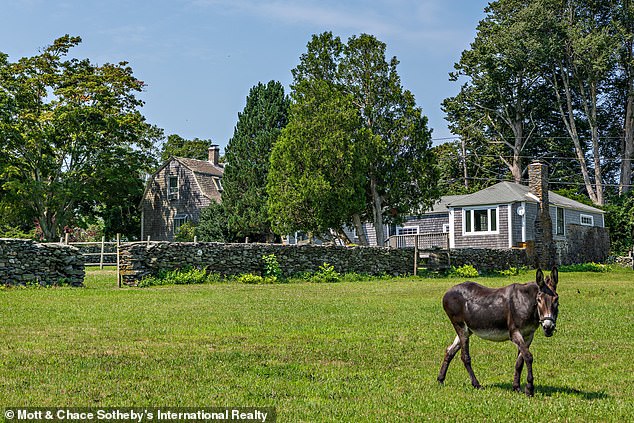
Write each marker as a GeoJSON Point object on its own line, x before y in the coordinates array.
{"type": "Point", "coordinates": [359, 351]}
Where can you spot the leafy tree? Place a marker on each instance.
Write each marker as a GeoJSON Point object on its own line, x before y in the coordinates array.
{"type": "Point", "coordinates": [212, 224]}
{"type": "Point", "coordinates": [177, 146]}
{"type": "Point", "coordinates": [399, 171]}
{"type": "Point", "coordinates": [248, 153]}
{"type": "Point", "coordinates": [619, 218]}
{"type": "Point", "coordinates": [73, 136]}
{"type": "Point", "coordinates": [316, 178]}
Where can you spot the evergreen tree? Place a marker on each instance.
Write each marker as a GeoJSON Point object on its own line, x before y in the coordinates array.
{"type": "Point", "coordinates": [247, 155]}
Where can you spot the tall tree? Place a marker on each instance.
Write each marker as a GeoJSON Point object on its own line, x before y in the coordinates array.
{"type": "Point", "coordinates": [580, 71]}
{"type": "Point", "coordinates": [248, 153]}
{"type": "Point", "coordinates": [177, 146]}
{"type": "Point", "coordinates": [400, 171]}
{"type": "Point", "coordinates": [316, 178]}
{"type": "Point", "coordinates": [73, 134]}
{"type": "Point", "coordinates": [503, 97]}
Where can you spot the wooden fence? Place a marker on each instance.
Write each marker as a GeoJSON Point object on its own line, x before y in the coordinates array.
{"type": "Point", "coordinates": [426, 241]}
{"type": "Point", "coordinates": [422, 243]}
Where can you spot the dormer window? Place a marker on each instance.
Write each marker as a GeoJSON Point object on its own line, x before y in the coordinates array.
{"type": "Point", "coordinates": [172, 190]}
{"type": "Point", "coordinates": [218, 184]}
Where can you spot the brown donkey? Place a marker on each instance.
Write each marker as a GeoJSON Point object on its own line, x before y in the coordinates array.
{"type": "Point", "coordinates": [511, 313]}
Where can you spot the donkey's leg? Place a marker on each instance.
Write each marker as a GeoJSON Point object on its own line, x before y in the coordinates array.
{"type": "Point", "coordinates": [519, 364]}
{"type": "Point", "coordinates": [463, 335]}
{"type": "Point", "coordinates": [522, 346]}
{"type": "Point", "coordinates": [449, 355]}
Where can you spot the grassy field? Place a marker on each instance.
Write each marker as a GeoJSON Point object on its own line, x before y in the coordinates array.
{"type": "Point", "coordinates": [364, 351]}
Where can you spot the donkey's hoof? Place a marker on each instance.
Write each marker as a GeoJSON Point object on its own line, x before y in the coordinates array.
{"type": "Point", "coordinates": [530, 391]}
{"type": "Point", "coordinates": [477, 386]}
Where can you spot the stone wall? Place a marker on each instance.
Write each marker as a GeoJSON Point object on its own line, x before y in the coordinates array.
{"type": "Point", "coordinates": [483, 259]}
{"type": "Point", "coordinates": [25, 261]}
{"type": "Point", "coordinates": [142, 259]}
{"type": "Point", "coordinates": [584, 244]}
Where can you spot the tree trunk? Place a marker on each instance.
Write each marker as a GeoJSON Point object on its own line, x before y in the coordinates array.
{"type": "Point", "coordinates": [377, 212]}
{"type": "Point", "coordinates": [625, 180]}
{"type": "Point", "coordinates": [358, 225]}
{"type": "Point", "coordinates": [568, 117]}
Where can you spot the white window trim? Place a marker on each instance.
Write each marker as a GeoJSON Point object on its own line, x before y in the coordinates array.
{"type": "Point", "coordinates": [180, 217]}
{"type": "Point", "coordinates": [446, 228]}
{"type": "Point", "coordinates": [452, 234]}
{"type": "Point", "coordinates": [557, 221]}
{"type": "Point", "coordinates": [218, 184]}
{"type": "Point", "coordinates": [479, 233]}
{"type": "Point", "coordinates": [401, 228]}
{"type": "Point", "coordinates": [173, 194]}
{"type": "Point", "coordinates": [588, 216]}
{"type": "Point", "coordinates": [509, 222]}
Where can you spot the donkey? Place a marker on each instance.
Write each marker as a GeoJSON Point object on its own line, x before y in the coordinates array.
{"type": "Point", "coordinates": [511, 313]}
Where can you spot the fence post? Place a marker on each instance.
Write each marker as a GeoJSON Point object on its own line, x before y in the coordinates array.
{"type": "Point", "coordinates": [118, 263]}
{"type": "Point", "coordinates": [415, 255]}
{"type": "Point", "coordinates": [103, 242]}
{"type": "Point", "coordinates": [148, 239]}
{"type": "Point", "coordinates": [66, 238]}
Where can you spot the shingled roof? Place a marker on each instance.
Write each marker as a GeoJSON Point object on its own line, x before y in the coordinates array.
{"type": "Point", "coordinates": [510, 192]}
{"type": "Point", "coordinates": [201, 166]}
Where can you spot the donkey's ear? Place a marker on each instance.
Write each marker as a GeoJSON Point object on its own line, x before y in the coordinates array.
{"type": "Point", "coordinates": [554, 277]}
{"type": "Point", "coordinates": [539, 278]}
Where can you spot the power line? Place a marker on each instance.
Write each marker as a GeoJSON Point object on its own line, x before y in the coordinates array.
{"type": "Point", "coordinates": [559, 182]}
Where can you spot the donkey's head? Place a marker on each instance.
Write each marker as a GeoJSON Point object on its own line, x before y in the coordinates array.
{"type": "Point", "coordinates": [548, 300]}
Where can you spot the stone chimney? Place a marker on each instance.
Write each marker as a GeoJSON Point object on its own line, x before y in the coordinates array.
{"type": "Point", "coordinates": [214, 154]}
{"type": "Point", "coordinates": [544, 244]}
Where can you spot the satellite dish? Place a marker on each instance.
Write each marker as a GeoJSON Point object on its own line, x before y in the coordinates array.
{"type": "Point", "coordinates": [520, 210]}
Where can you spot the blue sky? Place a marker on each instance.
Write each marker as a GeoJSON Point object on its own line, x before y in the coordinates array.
{"type": "Point", "coordinates": [199, 58]}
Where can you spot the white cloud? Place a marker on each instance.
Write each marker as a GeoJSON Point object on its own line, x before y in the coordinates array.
{"type": "Point", "coordinates": [409, 20]}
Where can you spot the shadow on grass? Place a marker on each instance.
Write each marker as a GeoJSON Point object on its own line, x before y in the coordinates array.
{"type": "Point", "coordinates": [549, 391]}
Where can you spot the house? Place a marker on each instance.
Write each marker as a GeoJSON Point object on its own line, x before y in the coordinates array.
{"type": "Point", "coordinates": [509, 215]}
{"type": "Point", "coordinates": [177, 192]}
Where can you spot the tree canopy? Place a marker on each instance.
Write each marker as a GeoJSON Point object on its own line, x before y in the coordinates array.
{"type": "Point", "coordinates": [248, 153]}
{"type": "Point", "coordinates": [398, 168]}
{"type": "Point", "coordinates": [177, 146]}
{"type": "Point", "coordinates": [74, 142]}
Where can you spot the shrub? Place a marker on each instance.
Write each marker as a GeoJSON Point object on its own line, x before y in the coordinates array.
{"type": "Point", "coordinates": [512, 271]}
{"type": "Point", "coordinates": [584, 267]}
{"type": "Point", "coordinates": [466, 271]}
{"type": "Point", "coordinates": [326, 273]}
{"type": "Point", "coordinates": [180, 277]}
{"type": "Point", "coordinates": [250, 278]}
{"type": "Point", "coordinates": [272, 269]}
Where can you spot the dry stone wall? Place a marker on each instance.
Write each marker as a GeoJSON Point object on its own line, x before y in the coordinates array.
{"type": "Point", "coordinates": [25, 261]}
{"type": "Point", "coordinates": [138, 260]}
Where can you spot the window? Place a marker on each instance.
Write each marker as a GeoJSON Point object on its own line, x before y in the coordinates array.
{"type": "Point", "coordinates": [587, 220]}
{"type": "Point", "coordinates": [179, 220]}
{"type": "Point", "coordinates": [218, 184]}
{"type": "Point", "coordinates": [172, 190]}
{"type": "Point", "coordinates": [478, 221]}
{"type": "Point", "coordinates": [445, 228]}
{"type": "Point", "coordinates": [408, 230]}
{"type": "Point", "coordinates": [560, 223]}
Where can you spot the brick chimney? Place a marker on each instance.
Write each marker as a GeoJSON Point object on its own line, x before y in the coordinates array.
{"type": "Point", "coordinates": [214, 154]}
{"type": "Point", "coordinates": [544, 245]}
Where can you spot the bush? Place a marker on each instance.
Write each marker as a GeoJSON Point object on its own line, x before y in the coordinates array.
{"type": "Point", "coordinates": [584, 267]}
{"type": "Point", "coordinates": [180, 277]}
{"type": "Point", "coordinates": [466, 271]}
{"type": "Point", "coordinates": [326, 273]}
{"type": "Point", "coordinates": [250, 278]}
{"type": "Point", "coordinates": [513, 271]}
{"type": "Point", "coordinates": [272, 269]}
